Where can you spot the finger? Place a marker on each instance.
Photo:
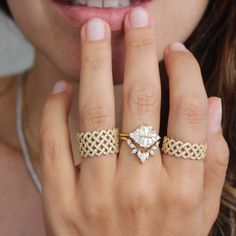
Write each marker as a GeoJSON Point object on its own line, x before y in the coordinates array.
{"type": "Point", "coordinates": [188, 115]}
{"type": "Point", "coordinates": [142, 93]}
{"type": "Point", "coordinates": [215, 163]}
{"type": "Point", "coordinates": [96, 96]}
{"type": "Point", "coordinates": [57, 164]}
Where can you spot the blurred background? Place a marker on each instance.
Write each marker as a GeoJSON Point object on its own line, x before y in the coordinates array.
{"type": "Point", "coordinates": [16, 54]}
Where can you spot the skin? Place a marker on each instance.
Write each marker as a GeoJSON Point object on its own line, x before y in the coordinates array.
{"type": "Point", "coordinates": [167, 187]}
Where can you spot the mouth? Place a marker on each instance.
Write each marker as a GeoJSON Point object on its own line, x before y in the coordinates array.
{"type": "Point", "coordinates": [78, 12]}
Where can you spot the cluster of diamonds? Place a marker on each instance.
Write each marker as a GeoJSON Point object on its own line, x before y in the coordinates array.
{"type": "Point", "coordinates": [146, 138]}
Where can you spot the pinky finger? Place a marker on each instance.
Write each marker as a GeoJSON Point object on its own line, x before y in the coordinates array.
{"type": "Point", "coordinates": [215, 163]}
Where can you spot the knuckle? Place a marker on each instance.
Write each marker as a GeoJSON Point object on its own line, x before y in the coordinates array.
{"type": "Point", "coordinates": [97, 113]}
{"type": "Point", "coordinates": [138, 201]}
{"type": "Point", "coordinates": [192, 111]}
{"type": "Point", "coordinates": [99, 208]}
{"type": "Point", "coordinates": [49, 146]}
{"type": "Point", "coordinates": [64, 212]}
{"type": "Point", "coordinates": [142, 98]}
{"type": "Point", "coordinates": [141, 201]}
{"type": "Point", "coordinates": [142, 41]}
{"type": "Point", "coordinates": [225, 152]}
{"type": "Point", "coordinates": [48, 142]}
{"type": "Point", "coordinates": [185, 199]}
{"type": "Point", "coordinates": [221, 154]}
{"type": "Point", "coordinates": [95, 59]}
{"type": "Point", "coordinates": [179, 60]}
{"type": "Point", "coordinates": [96, 54]}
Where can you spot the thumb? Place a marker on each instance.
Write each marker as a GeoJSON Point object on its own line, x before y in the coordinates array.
{"type": "Point", "coordinates": [56, 155]}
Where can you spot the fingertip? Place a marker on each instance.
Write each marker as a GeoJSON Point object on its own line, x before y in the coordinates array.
{"type": "Point", "coordinates": [212, 100]}
{"type": "Point", "coordinates": [60, 87]}
{"type": "Point", "coordinates": [137, 18]}
{"type": "Point", "coordinates": [62, 93]}
{"type": "Point", "coordinates": [95, 29]}
{"type": "Point", "coordinates": [175, 47]}
{"type": "Point", "coordinates": [215, 116]}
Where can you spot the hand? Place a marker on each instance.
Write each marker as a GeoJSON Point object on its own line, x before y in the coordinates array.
{"type": "Point", "coordinates": [117, 195]}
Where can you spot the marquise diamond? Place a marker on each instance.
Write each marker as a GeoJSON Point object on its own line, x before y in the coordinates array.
{"type": "Point", "coordinates": [143, 156]}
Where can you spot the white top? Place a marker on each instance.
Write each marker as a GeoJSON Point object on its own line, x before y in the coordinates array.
{"type": "Point", "coordinates": [16, 54]}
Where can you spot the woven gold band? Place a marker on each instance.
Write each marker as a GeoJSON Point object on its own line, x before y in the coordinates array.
{"type": "Point", "coordinates": [184, 150]}
{"type": "Point", "coordinates": [97, 143]}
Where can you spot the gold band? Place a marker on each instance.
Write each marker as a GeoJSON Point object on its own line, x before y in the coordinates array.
{"type": "Point", "coordinates": [184, 150]}
{"type": "Point", "coordinates": [97, 143]}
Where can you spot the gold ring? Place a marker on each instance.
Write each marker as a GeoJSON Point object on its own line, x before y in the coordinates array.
{"type": "Point", "coordinates": [144, 141]}
{"type": "Point", "coordinates": [97, 143]}
{"type": "Point", "coordinates": [184, 150]}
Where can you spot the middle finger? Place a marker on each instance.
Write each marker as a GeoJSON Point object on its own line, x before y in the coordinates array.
{"type": "Point", "coordinates": [142, 89]}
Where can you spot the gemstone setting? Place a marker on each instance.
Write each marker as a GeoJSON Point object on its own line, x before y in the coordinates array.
{"type": "Point", "coordinates": [145, 136]}
{"type": "Point", "coordinates": [144, 141]}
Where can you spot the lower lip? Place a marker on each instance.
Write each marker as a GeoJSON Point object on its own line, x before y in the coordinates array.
{"type": "Point", "coordinates": [76, 16]}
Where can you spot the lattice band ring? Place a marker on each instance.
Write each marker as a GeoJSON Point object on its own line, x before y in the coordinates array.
{"type": "Point", "coordinates": [97, 143]}
{"type": "Point", "coordinates": [184, 150]}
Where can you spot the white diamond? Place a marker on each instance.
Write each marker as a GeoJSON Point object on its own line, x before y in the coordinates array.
{"type": "Point", "coordinates": [143, 156]}
{"type": "Point", "coordinates": [145, 136]}
{"type": "Point", "coordinates": [152, 153]}
{"type": "Point", "coordinates": [134, 151]}
{"type": "Point", "coordinates": [154, 147]}
{"type": "Point", "coordinates": [129, 141]}
{"type": "Point", "coordinates": [131, 145]}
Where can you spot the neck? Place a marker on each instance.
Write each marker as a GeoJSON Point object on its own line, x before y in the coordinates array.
{"type": "Point", "coordinates": [40, 81]}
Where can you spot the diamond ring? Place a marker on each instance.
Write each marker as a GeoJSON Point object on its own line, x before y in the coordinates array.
{"type": "Point", "coordinates": [143, 141]}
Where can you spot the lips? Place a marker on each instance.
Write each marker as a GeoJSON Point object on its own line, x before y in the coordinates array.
{"type": "Point", "coordinates": [77, 15]}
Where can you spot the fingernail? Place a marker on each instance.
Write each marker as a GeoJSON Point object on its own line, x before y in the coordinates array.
{"type": "Point", "coordinates": [139, 17]}
{"type": "Point", "coordinates": [215, 117]}
{"type": "Point", "coordinates": [59, 87]}
{"type": "Point", "coordinates": [95, 29]}
{"type": "Point", "coordinates": [176, 46]}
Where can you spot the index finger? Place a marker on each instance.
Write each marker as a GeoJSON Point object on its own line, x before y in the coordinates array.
{"type": "Point", "coordinates": [96, 96]}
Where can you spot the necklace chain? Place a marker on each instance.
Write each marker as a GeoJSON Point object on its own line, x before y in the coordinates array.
{"type": "Point", "coordinates": [20, 116]}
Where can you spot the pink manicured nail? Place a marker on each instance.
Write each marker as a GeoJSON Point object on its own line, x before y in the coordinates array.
{"type": "Point", "coordinates": [95, 29]}
{"type": "Point", "coordinates": [139, 17]}
{"type": "Point", "coordinates": [59, 87]}
{"type": "Point", "coordinates": [215, 117]}
{"type": "Point", "coordinates": [176, 46]}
